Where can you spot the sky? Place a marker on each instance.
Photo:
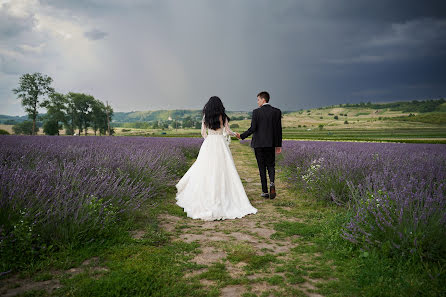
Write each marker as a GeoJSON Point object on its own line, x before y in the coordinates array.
{"type": "Point", "coordinates": [176, 54]}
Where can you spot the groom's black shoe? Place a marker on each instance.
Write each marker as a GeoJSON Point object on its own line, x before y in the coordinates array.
{"type": "Point", "coordinates": [264, 195]}
{"type": "Point", "coordinates": [272, 191]}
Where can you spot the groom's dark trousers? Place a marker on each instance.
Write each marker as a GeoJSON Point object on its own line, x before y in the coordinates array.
{"type": "Point", "coordinates": [265, 160]}
{"type": "Point", "coordinates": [266, 130]}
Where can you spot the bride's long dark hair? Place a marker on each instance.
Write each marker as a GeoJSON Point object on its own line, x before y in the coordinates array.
{"type": "Point", "coordinates": [212, 111]}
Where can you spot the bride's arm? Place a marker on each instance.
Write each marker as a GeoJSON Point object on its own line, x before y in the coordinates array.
{"type": "Point", "coordinates": [228, 130]}
{"type": "Point", "coordinates": [203, 128]}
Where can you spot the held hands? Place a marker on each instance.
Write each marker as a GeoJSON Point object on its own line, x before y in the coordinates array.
{"type": "Point", "coordinates": [237, 135]}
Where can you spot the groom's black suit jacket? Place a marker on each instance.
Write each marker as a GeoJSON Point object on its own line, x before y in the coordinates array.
{"type": "Point", "coordinates": [266, 127]}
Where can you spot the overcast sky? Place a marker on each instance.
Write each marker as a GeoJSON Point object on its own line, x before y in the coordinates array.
{"type": "Point", "coordinates": [162, 54]}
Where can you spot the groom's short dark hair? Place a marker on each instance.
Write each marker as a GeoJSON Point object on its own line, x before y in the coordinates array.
{"type": "Point", "coordinates": [264, 95]}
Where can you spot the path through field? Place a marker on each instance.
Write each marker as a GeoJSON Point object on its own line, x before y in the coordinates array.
{"type": "Point", "coordinates": [271, 253]}
{"type": "Point", "coordinates": [250, 249]}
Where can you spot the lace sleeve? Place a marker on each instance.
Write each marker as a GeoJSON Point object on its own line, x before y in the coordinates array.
{"type": "Point", "coordinates": [203, 129]}
{"type": "Point", "coordinates": [228, 130]}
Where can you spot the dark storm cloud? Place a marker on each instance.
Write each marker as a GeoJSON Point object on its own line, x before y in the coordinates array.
{"type": "Point", "coordinates": [377, 11]}
{"type": "Point", "coordinates": [307, 53]}
{"type": "Point", "coordinates": [95, 34]}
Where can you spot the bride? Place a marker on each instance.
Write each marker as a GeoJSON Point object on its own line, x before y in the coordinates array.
{"type": "Point", "coordinates": [211, 189]}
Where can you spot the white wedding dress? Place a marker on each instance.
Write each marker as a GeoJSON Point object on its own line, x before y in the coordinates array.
{"type": "Point", "coordinates": [211, 189]}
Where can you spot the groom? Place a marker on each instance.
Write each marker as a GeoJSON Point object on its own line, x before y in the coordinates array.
{"type": "Point", "coordinates": [266, 127]}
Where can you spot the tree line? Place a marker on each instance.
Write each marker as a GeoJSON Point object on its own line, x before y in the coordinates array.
{"type": "Point", "coordinates": [433, 105]}
{"type": "Point", "coordinates": [72, 111]}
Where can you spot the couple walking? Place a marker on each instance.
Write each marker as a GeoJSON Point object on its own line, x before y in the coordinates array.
{"type": "Point", "coordinates": [211, 189]}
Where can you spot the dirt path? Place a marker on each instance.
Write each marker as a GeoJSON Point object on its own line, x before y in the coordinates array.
{"type": "Point", "coordinates": [257, 261]}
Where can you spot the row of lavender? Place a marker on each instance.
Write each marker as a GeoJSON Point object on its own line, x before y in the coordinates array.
{"type": "Point", "coordinates": [54, 189]}
{"type": "Point", "coordinates": [396, 193]}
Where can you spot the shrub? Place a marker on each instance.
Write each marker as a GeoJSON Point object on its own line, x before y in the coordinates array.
{"type": "Point", "coordinates": [25, 127]}
{"type": "Point", "coordinates": [346, 122]}
{"type": "Point", "coordinates": [336, 117]}
{"type": "Point", "coordinates": [395, 192]}
{"type": "Point", "coordinates": [51, 127]}
{"type": "Point", "coordinates": [3, 132]}
{"type": "Point", "coordinates": [69, 191]}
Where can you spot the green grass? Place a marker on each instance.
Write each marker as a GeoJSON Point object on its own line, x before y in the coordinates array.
{"type": "Point", "coordinates": [345, 269]}
{"type": "Point", "coordinates": [398, 134]}
{"type": "Point", "coordinates": [139, 270]}
{"type": "Point", "coordinates": [150, 266]}
{"type": "Point", "coordinates": [286, 229]}
{"type": "Point", "coordinates": [245, 253]}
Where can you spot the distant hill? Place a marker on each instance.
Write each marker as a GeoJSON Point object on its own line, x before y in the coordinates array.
{"type": "Point", "coordinates": [11, 120]}
{"type": "Point", "coordinates": [438, 105]}
{"type": "Point", "coordinates": [414, 106]}
{"type": "Point", "coordinates": [167, 115]}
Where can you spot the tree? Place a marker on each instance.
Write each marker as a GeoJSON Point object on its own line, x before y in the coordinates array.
{"type": "Point", "coordinates": [57, 113]}
{"type": "Point", "coordinates": [99, 117]}
{"type": "Point", "coordinates": [31, 88]}
{"type": "Point", "coordinates": [82, 107]}
{"type": "Point", "coordinates": [188, 122]}
{"type": "Point", "coordinates": [109, 114]}
{"type": "Point", "coordinates": [26, 127]}
{"type": "Point", "coordinates": [51, 127]}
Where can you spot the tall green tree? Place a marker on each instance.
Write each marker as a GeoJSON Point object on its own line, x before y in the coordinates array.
{"type": "Point", "coordinates": [31, 88]}
{"type": "Point", "coordinates": [57, 108]}
{"type": "Point", "coordinates": [99, 117]}
{"type": "Point", "coordinates": [109, 114]}
{"type": "Point", "coordinates": [82, 105]}
{"type": "Point", "coordinates": [71, 116]}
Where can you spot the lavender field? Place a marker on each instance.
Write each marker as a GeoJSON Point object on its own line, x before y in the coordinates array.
{"type": "Point", "coordinates": [394, 193]}
{"type": "Point", "coordinates": [60, 190]}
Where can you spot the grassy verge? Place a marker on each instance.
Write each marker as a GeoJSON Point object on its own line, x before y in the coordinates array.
{"type": "Point", "coordinates": [151, 265]}
{"type": "Point", "coordinates": [346, 270]}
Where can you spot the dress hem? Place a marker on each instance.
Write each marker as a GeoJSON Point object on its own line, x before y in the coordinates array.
{"type": "Point", "coordinates": [219, 217]}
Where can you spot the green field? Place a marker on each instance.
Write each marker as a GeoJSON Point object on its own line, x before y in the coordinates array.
{"type": "Point", "coordinates": [353, 124]}
{"type": "Point", "coordinates": [392, 122]}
